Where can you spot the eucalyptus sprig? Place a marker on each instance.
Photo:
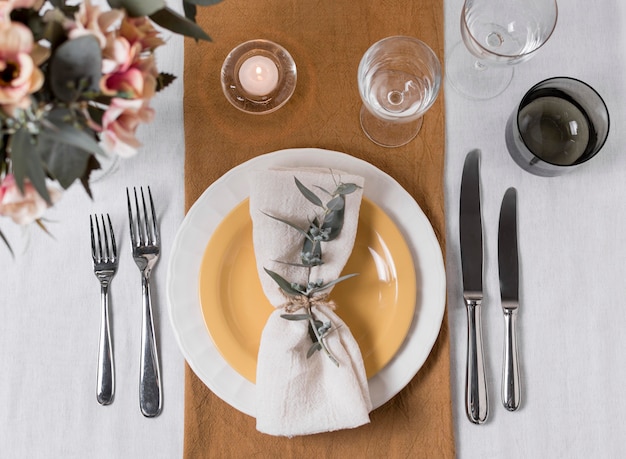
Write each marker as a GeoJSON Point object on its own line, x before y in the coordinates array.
{"type": "Point", "coordinates": [323, 227]}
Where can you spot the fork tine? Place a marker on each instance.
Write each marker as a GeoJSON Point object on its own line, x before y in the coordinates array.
{"type": "Point", "coordinates": [155, 227]}
{"type": "Point", "coordinates": [113, 245]}
{"type": "Point", "coordinates": [100, 254]}
{"type": "Point", "coordinates": [133, 239]}
{"type": "Point", "coordinates": [107, 251]}
{"type": "Point", "coordinates": [140, 228]}
{"type": "Point", "coordinates": [93, 240]}
{"type": "Point", "coordinates": [146, 222]}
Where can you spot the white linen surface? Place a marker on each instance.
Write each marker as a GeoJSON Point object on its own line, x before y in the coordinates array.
{"type": "Point", "coordinates": [572, 232]}
{"type": "Point", "coordinates": [573, 265]}
{"type": "Point", "coordinates": [297, 395]}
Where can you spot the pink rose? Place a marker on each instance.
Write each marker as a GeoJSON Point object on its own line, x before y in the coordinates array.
{"type": "Point", "coordinates": [119, 124]}
{"type": "Point", "coordinates": [20, 76]}
{"type": "Point", "coordinates": [23, 208]}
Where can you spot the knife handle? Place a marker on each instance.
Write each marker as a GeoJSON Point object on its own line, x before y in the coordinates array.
{"type": "Point", "coordinates": [510, 366]}
{"type": "Point", "coordinates": [476, 402]}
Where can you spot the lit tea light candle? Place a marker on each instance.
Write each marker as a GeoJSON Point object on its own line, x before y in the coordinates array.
{"type": "Point", "coordinates": [258, 75]}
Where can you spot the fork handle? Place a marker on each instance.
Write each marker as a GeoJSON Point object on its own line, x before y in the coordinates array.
{"type": "Point", "coordinates": [105, 378]}
{"type": "Point", "coordinates": [150, 395]}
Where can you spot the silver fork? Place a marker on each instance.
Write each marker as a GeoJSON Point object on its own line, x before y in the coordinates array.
{"type": "Point", "coordinates": [105, 261]}
{"type": "Point", "coordinates": [145, 242]}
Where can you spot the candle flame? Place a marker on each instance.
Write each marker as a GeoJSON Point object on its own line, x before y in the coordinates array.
{"type": "Point", "coordinates": [259, 72]}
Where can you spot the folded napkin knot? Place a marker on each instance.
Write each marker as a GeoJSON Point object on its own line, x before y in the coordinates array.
{"type": "Point", "coordinates": [295, 303]}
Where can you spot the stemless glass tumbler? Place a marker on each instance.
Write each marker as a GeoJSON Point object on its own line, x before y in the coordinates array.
{"type": "Point", "coordinates": [399, 79]}
{"type": "Point", "coordinates": [559, 124]}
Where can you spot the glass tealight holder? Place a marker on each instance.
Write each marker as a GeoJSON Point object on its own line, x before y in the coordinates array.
{"type": "Point", "coordinates": [258, 76]}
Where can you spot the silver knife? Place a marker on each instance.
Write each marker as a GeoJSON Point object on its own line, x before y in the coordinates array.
{"type": "Point", "coordinates": [471, 237]}
{"type": "Point", "coordinates": [509, 295]}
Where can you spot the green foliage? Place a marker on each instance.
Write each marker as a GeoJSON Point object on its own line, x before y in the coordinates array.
{"type": "Point", "coordinates": [171, 20]}
{"type": "Point", "coordinates": [75, 68]}
{"type": "Point", "coordinates": [324, 227]}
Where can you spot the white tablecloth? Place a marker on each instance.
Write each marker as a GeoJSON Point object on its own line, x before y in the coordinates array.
{"type": "Point", "coordinates": [571, 320]}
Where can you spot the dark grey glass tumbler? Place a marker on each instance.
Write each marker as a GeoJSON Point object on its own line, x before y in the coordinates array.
{"type": "Point", "coordinates": [559, 124]}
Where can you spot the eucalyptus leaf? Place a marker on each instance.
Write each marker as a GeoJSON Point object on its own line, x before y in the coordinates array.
{"type": "Point", "coordinates": [333, 282]}
{"type": "Point", "coordinates": [312, 334]}
{"type": "Point", "coordinates": [64, 162]}
{"type": "Point", "coordinates": [334, 220]}
{"type": "Point", "coordinates": [347, 188]}
{"type": "Point", "coordinates": [64, 132]}
{"type": "Point", "coordinates": [92, 165]}
{"type": "Point", "coordinates": [337, 203]}
{"type": "Point", "coordinates": [171, 20]}
{"type": "Point", "coordinates": [295, 316]}
{"type": "Point", "coordinates": [138, 8]}
{"type": "Point", "coordinates": [190, 10]}
{"type": "Point", "coordinates": [284, 285]}
{"type": "Point", "coordinates": [286, 222]}
{"type": "Point", "coordinates": [298, 265]}
{"type": "Point", "coordinates": [75, 68]}
{"type": "Point", "coordinates": [27, 163]}
{"type": "Point", "coordinates": [317, 346]}
{"type": "Point", "coordinates": [324, 190]}
{"type": "Point", "coordinates": [314, 251]}
{"type": "Point", "coordinates": [312, 197]}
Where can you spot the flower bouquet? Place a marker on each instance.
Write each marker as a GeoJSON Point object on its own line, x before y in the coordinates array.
{"type": "Point", "coordinates": [76, 81]}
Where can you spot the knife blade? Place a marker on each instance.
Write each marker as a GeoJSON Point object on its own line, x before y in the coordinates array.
{"type": "Point", "coordinates": [471, 242]}
{"type": "Point", "coordinates": [508, 266]}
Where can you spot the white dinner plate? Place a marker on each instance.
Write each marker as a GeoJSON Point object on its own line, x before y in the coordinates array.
{"type": "Point", "coordinates": [233, 187]}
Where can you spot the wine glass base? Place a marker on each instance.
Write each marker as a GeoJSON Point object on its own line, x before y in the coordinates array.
{"type": "Point", "coordinates": [388, 133]}
{"type": "Point", "coordinates": [473, 79]}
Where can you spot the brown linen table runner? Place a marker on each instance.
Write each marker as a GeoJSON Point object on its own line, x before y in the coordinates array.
{"type": "Point", "coordinates": [326, 40]}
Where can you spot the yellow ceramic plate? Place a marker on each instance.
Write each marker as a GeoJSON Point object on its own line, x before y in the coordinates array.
{"type": "Point", "coordinates": [378, 305]}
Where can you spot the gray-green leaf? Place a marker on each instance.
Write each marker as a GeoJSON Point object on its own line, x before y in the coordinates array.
{"type": "Point", "coordinates": [284, 285]}
{"type": "Point", "coordinates": [317, 346]}
{"type": "Point", "coordinates": [171, 20]}
{"type": "Point", "coordinates": [312, 197]}
{"type": "Point", "coordinates": [347, 188]}
{"type": "Point", "coordinates": [286, 222]}
{"type": "Point", "coordinates": [138, 8]}
{"type": "Point", "coordinates": [334, 220]}
{"type": "Point", "coordinates": [27, 163]}
{"type": "Point", "coordinates": [75, 68]}
{"type": "Point", "coordinates": [295, 316]}
{"type": "Point", "coordinates": [333, 282]}
{"type": "Point", "coordinates": [336, 203]}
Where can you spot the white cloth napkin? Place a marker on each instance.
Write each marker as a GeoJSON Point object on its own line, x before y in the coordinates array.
{"type": "Point", "coordinates": [297, 395]}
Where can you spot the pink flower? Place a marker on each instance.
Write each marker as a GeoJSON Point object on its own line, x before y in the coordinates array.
{"type": "Point", "coordinates": [126, 72]}
{"type": "Point", "coordinates": [140, 30]}
{"type": "Point", "coordinates": [19, 77]}
{"type": "Point", "coordinates": [119, 124]}
{"type": "Point", "coordinates": [6, 6]}
{"type": "Point", "coordinates": [23, 208]}
{"type": "Point", "coordinates": [90, 20]}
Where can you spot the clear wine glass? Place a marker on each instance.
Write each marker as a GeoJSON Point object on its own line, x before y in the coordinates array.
{"type": "Point", "coordinates": [399, 79]}
{"type": "Point", "coordinates": [498, 34]}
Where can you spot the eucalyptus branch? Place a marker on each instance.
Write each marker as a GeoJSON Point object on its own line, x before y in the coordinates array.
{"type": "Point", "coordinates": [325, 226]}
